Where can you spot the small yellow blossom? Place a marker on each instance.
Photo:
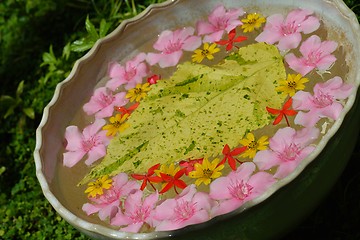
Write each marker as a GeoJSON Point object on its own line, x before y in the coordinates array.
{"type": "Point", "coordinates": [97, 187]}
{"type": "Point", "coordinates": [138, 92]}
{"type": "Point", "coordinates": [170, 170]}
{"type": "Point", "coordinates": [252, 146]}
{"type": "Point", "coordinates": [117, 124]}
{"type": "Point", "coordinates": [252, 21]}
{"type": "Point", "coordinates": [205, 172]}
{"type": "Point", "coordinates": [292, 84]}
{"type": "Point", "coordinates": [206, 52]}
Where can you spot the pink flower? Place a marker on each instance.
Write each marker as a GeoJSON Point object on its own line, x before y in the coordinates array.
{"type": "Point", "coordinates": [288, 31]}
{"type": "Point", "coordinates": [90, 142]}
{"type": "Point", "coordinates": [130, 74]}
{"type": "Point", "coordinates": [324, 102]}
{"type": "Point", "coordinates": [189, 207]}
{"type": "Point", "coordinates": [103, 101]}
{"type": "Point", "coordinates": [219, 21]}
{"type": "Point", "coordinates": [316, 54]}
{"type": "Point", "coordinates": [287, 149]}
{"type": "Point", "coordinates": [137, 211]}
{"type": "Point", "coordinates": [171, 45]}
{"type": "Point", "coordinates": [239, 187]}
{"type": "Point", "coordinates": [107, 205]}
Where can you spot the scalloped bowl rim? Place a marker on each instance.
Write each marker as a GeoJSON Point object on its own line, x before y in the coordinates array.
{"type": "Point", "coordinates": [105, 231]}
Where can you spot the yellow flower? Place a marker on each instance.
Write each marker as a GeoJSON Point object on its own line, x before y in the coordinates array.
{"type": "Point", "coordinates": [252, 146]}
{"type": "Point", "coordinates": [206, 52]}
{"type": "Point", "coordinates": [139, 92]}
{"type": "Point", "coordinates": [169, 170]}
{"type": "Point", "coordinates": [206, 171]}
{"type": "Point", "coordinates": [96, 188]}
{"type": "Point", "coordinates": [292, 84]}
{"type": "Point", "coordinates": [252, 22]}
{"type": "Point", "coordinates": [117, 124]}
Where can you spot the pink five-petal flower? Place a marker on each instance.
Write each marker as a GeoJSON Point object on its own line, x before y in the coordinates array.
{"type": "Point", "coordinates": [91, 142]}
{"type": "Point", "coordinates": [316, 54]}
{"type": "Point", "coordinates": [324, 102]}
{"type": "Point", "coordinates": [103, 102]}
{"type": "Point", "coordinates": [219, 20]}
{"type": "Point", "coordinates": [288, 31]}
{"type": "Point", "coordinates": [189, 207]}
{"type": "Point", "coordinates": [288, 148]}
{"type": "Point", "coordinates": [137, 211]}
{"type": "Point", "coordinates": [171, 46]}
{"type": "Point", "coordinates": [107, 205]}
{"type": "Point", "coordinates": [130, 74]}
{"type": "Point", "coordinates": [238, 187]}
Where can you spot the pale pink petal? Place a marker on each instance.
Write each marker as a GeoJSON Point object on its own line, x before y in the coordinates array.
{"type": "Point", "coordinates": [281, 139]}
{"type": "Point", "coordinates": [73, 138]}
{"type": "Point", "coordinates": [328, 47]}
{"type": "Point", "coordinates": [199, 217]}
{"type": "Point", "coordinates": [260, 182]}
{"type": "Point", "coordinates": [290, 41]}
{"type": "Point", "coordinates": [226, 206]}
{"type": "Point", "coordinates": [297, 64]}
{"type": "Point", "coordinates": [90, 208]}
{"type": "Point", "coordinates": [115, 70]}
{"type": "Point", "coordinates": [169, 60]}
{"type": "Point", "coordinates": [93, 129]}
{"type": "Point", "coordinates": [133, 228]}
{"type": "Point", "coordinates": [310, 25]}
{"type": "Point", "coordinates": [309, 45]}
{"type": "Point", "coordinates": [266, 159]}
{"type": "Point", "coordinates": [307, 119]}
{"type": "Point", "coordinates": [153, 58]}
{"type": "Point", "coordinates": [213, 37]}
{"type": "Point", "coordinates": [165, 37]}
{"type": "Point", "coordinates": [168, 225]}
{"type": "Point", "coordinates": [165, 210]}
{"type": "Point", "coordinates": [191, 43]}
{"type": "Point", "coordinates": [302, 101]}
{"type": "Point", "coordinates": [204, 27]}
{"type": "Point", "coordinates": [333, 111]}
{"type": "Point", "coordinates": [202, 201]}
{"type": "Point", "coordinates": [120, 219]}
{"type": "Point", "coordinates": [95, 154]}
{"type": "Point", "coordinates": [269, 36]}
{"type": "Point", "coordinates": [109, 211]}
{"type": "Point", "coordinates": [187, 194]}
{"type": "Point", "coordinates": [105, 112]}
{"type": "Point", "coordinates": [326, 62]}
{"type": "Point", "coordinates": [285, 169]}
{"type": "Point", "coordinates": [219, 188]}
{"type": "Point", "coordinates": [244, 171]}
{"type": "Point", "coordinates": [115, 82]}
{"type": "Point", "coordinates": [306, 136]}
{"type": "Point", "coordinates": [72, 158]}
{"type": "Point", "coordinates": [151, 200]}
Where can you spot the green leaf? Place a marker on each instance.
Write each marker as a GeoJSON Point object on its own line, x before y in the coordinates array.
{"type": "Point", "coordinates": [104, 28]}
{"type": "Point", "coordinates": [90, 28]}
{"type": "Point", "coordinates": [81, 45]}
{"type": "Point", "coordinates": [29, 112]}
{"type": "Point", "coordinates": [20, 89]}
{"type": "Point", "coordinates": [197, 111]}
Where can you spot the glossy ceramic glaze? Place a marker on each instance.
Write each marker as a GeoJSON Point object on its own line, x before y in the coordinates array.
{"type": "Point", "coordinates": [270, 215]}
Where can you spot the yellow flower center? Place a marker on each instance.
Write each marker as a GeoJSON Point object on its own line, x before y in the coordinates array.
{"type": "Point", "coordinates": [205, 52]}
{"type": "Point", "coordinates": [207, 173]}
{"type": "Point", "coordinates": [291, 84]}
{"type": "Point", "coordinates": [252, 145]}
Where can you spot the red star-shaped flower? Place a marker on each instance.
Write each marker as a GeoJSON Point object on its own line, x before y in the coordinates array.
{"type": "Point", "coordinates": [231, 40]}
{"type": "Point", "coordinates": [284, 112]}
{"type": "Point", "coordinates": [229, 155]}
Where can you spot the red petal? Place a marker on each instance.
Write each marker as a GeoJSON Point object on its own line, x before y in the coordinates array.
{"type": "Point", "coordinates": [232, 163]}
{"type": "Point", "coordinates": [287, 104]}
{"type": "Point", "coordinates": [151, 170]}
{"type": "Point", "coordinates": [278, 119]}
{"type": "Point", "coordinates": [155, 179]}
{"type": "Point", "coordinates": [229, 47]}
{"type": "Point", "coordinates": [180, 184]}
{"type": "Point", "coordinates": [222, 42]}
{"type": "Point", "coordinates": [232, 34]}
{"type": "Point", "coordinates": [273, 111]}
{"type": "Point", "coordinates": [237, 151]}
{"type": "Point", "coordinates": [166, 177]}
{"type": "Point", "coordinates": [143, 185]}
{"type": "Point", "coordinates": [138, 176]}
{"type": "Point", "coordinates": [167, 187]}
{"type": "Point", "coordinates": [133, 107]}
{"type": "Point", "coordinates": [179, 173]}
{"type": "Point", "coordinates": [290, 112]}
{"type": "Point", "coordinates": [240, 39]}
{"type": "Point", "coordinates": [226, 149]}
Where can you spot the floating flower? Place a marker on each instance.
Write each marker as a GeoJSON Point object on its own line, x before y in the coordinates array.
{"type": "Point", "coordinates": [316, 54]}
{"type": "Point", "coordinates": [167, 169]}
{"type": "Point", "coordinates": [252, 21]}
{"type": "Point", "coordinates": [138, 93]}
{"type": "Point", "coordinates": [252, 146]}
{"type": "Point", "coordinates": [231, 40]}
{"type": "Point", "coordinates": [229, 156]}
{"type": "Point", "coordinates": [189, 165]}
{"type": "Point", "coordinates": [153, 79]}
{"type": "Point", "coordinates": [117, 124]}
{"type": "Point", "coordinates": [171, 45]}
{"type": "Point", "coordinates": [131, 74]}
{"type": "Point", "coordinates": [207, 52]}
{"type": "Point", "coordinates": [90, 142]}
{"type": "Point", "coordinates": [173, 181]}
{"type": "Point", "coordinates": [189, 207]}
{"type": "Point", "coordinates": [288, 148]}
{"type": "Point", "coordinates": [284, 112]}
{"type": "Point", "coordinates": [324, 102]}
{"type": "Point", "coordinates": [107, 204]}
{"type": "Point", "coordinates": [138, 210]}
{"type": "Point", "coordinates": [97, 187]}
{"type": "Point", "coordinates": [103, 101]}
{"type": "Point", "coordinates": [239, 187]}
{"type": "Point", "coordinates": [288, 31]}
{"type": "Point", "coordinates": [219, 20]}
{"type": "Point", "coordinates": [128, 110]}
{"type": "Point", "coordinates": [293, 83]}
{"type": "Point", "coordinates": [206, 171]}
{"type": "Point", "coordinates": [148, 177]}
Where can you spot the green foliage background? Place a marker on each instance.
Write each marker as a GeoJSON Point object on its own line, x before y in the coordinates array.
{"type": "Point", "coordinates": [39, 42]}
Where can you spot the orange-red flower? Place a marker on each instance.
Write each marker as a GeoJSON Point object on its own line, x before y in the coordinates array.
{"type": "Point", "coordinates": [148, 177]}
{"type": "Point", "coordinates": [128, 110]}
{"type": "Point", "coordinates": [231, 40]}
{"type": "Point", "coordinates": [229, 155]}
{"type": "Point", "coordinates": [173, 181]}
{"type": "Point", "coordinates": [284, 112]}
{"type": "Point", "coordinates": [189, 165]}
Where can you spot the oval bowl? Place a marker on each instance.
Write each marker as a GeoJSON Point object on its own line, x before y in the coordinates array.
{"type": "Point", "coordinates": [272, 214]}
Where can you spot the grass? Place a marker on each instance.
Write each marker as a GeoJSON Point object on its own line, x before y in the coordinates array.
{"type": "Point", "coordinates": [39, 42]}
